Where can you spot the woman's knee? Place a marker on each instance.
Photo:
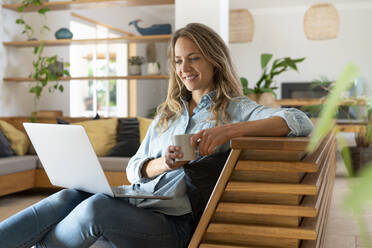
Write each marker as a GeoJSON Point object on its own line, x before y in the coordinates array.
{"type": "Point", "coordinates": [93, 210]}
{"type": "Point", "coordinates": [69, 195]}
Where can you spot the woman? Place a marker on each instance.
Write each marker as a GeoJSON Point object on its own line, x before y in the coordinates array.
{"type": "Point", "coordinates": [204, 98]}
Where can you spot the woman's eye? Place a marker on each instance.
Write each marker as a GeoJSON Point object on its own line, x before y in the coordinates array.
{"type": "Point", "coordinates": [193, 59]}
{"type": "Point", "coordinates": [178, 61]}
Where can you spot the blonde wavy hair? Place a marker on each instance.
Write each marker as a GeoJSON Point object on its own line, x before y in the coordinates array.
{"type": "Point", "coordinates": [227, 83]}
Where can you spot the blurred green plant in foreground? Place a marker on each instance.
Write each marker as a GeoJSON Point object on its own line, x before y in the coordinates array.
{"type": "Point", "coordinates": [360, 188]}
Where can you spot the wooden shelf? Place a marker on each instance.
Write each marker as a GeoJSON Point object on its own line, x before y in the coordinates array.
{"type": "Point", "coordinates": [316, 101]}
{"type": "Point", "coordinates": [146, 77]}
{"type": "Point", "coordinates": [88, 4]}
{"type": "Point", "coordinates": [65, 42]}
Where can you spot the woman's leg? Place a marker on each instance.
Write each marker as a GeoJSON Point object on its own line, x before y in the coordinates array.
{"type": "Point", "coordinates": [28, 226]}
{"type": "Point", "coordinates": [120, 223]}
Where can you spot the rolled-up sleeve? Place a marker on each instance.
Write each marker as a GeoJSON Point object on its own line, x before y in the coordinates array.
{"type": "Point", "coordinates": [136, 163]}
{"type": "Point", "coordinates": [297, 121]}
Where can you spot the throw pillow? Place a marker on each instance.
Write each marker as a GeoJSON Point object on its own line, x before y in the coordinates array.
{"type": "Point", "coordinates": [17, 139]}
{"type": "Point", "coordinates": [127, 139]}
{"type": "Point", "coordinates": [61, 121]}
{"type": "Point", "coordinates": [101, 133]}
{"type": "Point", "coordinates": [144, 124]}
{"type": "Point", "coordinates": [5, 149]}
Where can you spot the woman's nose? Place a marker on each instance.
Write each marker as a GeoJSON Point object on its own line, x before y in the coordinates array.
{"type": "Point", "coordinates": [185, 66]}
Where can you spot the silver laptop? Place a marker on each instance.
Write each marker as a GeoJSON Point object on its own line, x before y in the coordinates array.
{"type": "Point", "coordinates": [70, 161]}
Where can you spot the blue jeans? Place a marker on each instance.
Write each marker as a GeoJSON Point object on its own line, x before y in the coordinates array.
{"type": "Point", "coordinates": [71, 218]}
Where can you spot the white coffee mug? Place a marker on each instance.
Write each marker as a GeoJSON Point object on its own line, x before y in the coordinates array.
{"type": "Point", "coordinates": [188, 151]}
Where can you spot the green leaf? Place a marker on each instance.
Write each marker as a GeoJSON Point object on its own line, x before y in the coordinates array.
{"type": "Point", "coordinates": [43, 10]}
{"type": "Point", "coordinates": [67, 73]}
{"type": "Point", "coordinates": [298, 60]}
{"type": "Point", "coordinates": [325, 122]}
{"type": "Point", "coordinates": [21, 8]}
{"type": "Point", "coordinates": [67, 64]}
{"type": "Point", "coordinates": [244, 82]}
{"type": "Point", "coordinates": [345, 154]}
{"type": "Point", "coordinates": [46, 27]}
{"type": "Point", "coordinates": [52, 77]}
{"type": "Point", "coordinates": [20, 21]}
{"type": "Point", "coordinates": [291, 64]}
{"type": "Point", "coordinates": [61, 88]}
{"type": "Point", "coordinates": [265, 59]}
{"type": "Point", "coordinates": [247, 91]}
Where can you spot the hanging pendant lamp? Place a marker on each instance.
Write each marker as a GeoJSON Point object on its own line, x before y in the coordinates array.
{"type": "Point", "coordinates": [321, 22]}
{"type": "Point", "coordinates": [241, 26]}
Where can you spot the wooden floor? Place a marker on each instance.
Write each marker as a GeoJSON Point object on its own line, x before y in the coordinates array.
{"type": "Point", "coordinates": [342, 231]}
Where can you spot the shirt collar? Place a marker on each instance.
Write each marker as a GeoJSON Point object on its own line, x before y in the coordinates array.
{"type": "Point", "coordinates": [207, 98]}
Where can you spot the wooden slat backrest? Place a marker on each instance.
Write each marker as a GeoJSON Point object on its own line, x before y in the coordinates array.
{"type": "Point", "coordinates": [270, 143]}
{"type": "Point", "coordinates": [311, 163]}
{"type": "Point", "coordinates": [215, 197]}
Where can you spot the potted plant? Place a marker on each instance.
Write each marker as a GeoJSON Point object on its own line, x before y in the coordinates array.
{"type": "Point", "coordinates": [135, 63]}
{"type": "Point", "coordinates": [263, 92]}
{"type": "Point", "coordinates": [45, 70]}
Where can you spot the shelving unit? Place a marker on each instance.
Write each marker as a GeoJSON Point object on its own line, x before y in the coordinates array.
{"type": "Point", "coordinates": [131, 40]}
{"type": "Point", "coordinates": [140, 77]}
{"type": "Point", "coordinates": [67, 42]}
{"type": "Point", "coordinates": [89, 4]}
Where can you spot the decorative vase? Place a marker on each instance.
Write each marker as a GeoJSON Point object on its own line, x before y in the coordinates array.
{"type": "Point", "coordinates": [134, 70]}
{"type": "Point", "coordinates": [63, 33]}
{"type": "Point", "coordinates": [56, 68]}
{"type": "Point", "coordinates": [265, 99]}
{"type": "Point", "coordinates": [153, 68]}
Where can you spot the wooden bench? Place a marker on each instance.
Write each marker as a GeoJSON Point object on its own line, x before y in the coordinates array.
{"type": "Point", "coordinates": [270, 194]}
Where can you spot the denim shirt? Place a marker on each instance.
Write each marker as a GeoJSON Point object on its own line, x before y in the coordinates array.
{"type": "Point", "coordinates": [155, 144]}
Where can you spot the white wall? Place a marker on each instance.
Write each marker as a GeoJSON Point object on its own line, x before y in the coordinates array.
{"type": "Point", "coordinates": [213, 13]}
{"type": "Point", "coordinates": [279, 31]}
{"type": "Point", "coordinates": [16, 62]}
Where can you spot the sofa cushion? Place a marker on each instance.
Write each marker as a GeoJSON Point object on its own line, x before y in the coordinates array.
{"type": "Point", "coordinates": [114, 163]}
{"type": "Point", "coordinates": [127, 138]}
{"type": "Point", "coordinates": [17, 164]}
{"type": "Point", "coordinates": [107, 163]}
{"type": "Point", "coordinates": [144, 124]}
{"type": "Point", "coordinates": [101, 133]}
{"type": "Point", "coordinates": [17, 139]}
{"type": "Point", "coordinates": [5, 149]}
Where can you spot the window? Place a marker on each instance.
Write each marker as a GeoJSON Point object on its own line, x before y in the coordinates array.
{"type": "Point", "coordinates": [96, 96]}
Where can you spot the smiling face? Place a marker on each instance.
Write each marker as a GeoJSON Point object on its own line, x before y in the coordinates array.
{"type": "Point", "coordinates": [195, 71]}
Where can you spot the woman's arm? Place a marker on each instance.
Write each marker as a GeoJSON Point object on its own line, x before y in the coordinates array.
{"type": "Point", "coordinates": [155, 167]}
{"type": "Point", "coordinates": [208, 139]}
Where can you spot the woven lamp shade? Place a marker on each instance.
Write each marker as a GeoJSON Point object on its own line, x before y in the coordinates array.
{"type": "Point", "coordinates": [321, 22]}
{"type": "Point", "coordinates": [241, 26]}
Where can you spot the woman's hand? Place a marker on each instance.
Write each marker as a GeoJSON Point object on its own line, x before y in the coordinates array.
{"type": "Point", "coordinates": [171, 154]}
{"type": "Point", "coordinates": [208, 139]}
